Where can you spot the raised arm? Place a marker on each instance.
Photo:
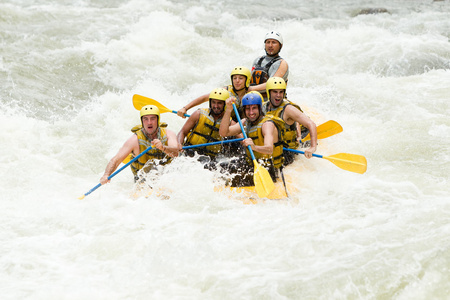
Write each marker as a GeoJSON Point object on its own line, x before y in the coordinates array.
{"type": "Point", "coordinates": [193, 103]}
{"type": "Point", "coordinates": [188, 126]}
{"type": "Point", "coordinates": [226, 127]}
{"type": "Point", "coordinates": [270, 134]}
{"type": "Point", "coordinates": [291, 115]}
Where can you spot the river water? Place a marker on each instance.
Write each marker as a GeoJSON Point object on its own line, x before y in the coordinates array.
{"type": "Point", "coordinates": [68, 71]}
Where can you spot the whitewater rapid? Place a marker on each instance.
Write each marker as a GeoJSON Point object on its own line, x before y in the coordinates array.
{"type": "Point", "coordinates": [68, 73]}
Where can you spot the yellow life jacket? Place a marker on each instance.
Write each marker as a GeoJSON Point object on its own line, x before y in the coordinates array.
{"type": "Point", "coordinates": [205, 131]}
{"type": "Point", "coordinates": [153, 153]}
{"type": "Point", "coordinates": [288, 132]}
{"type": "Point", "coordinates": [238, 103]}
{"type": "Point", "coordinates": [260, 73]}
{"type": "Point", "coordinates": [255, 133]}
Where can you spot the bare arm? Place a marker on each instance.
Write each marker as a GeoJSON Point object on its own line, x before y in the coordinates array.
{"type": "Point", "coordinates": [226, 127]}
{"type": "Point", "coordinates": [291, 115]}
{"type": "Point", "coordinates": [131, 145]}
{"type": "Point", "coordinates": [282, 69]}
{"type": "Point", "coordinates": [193, 103]}
{"type": "Point", "coordinates": [172, 148]}
{"type": "Point", "coordinates": [270, 134]}
{"type": "Point", "coordinates": [188, 126]}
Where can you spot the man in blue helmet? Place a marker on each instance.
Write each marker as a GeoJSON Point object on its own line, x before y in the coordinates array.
{"type": "Point", "coordinates": [263, 136]}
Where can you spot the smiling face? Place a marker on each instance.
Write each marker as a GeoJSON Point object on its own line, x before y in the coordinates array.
{"type": "Point", "coordinates": [239, 82]}
{"type": "Point", "coordinates": [252, 112]}
{"type": "Point", "coordinates": [217, 106]}
{"type": "Point", "coordinates": [272, 47]}
{"type": "Point", "coordinates": [150, 124]}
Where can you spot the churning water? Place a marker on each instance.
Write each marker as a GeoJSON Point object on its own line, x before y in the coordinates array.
{"type": "Point", "coordinates": [68, 71]}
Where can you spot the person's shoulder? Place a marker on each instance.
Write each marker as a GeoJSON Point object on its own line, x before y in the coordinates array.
{"type": "Point", "coordinates": [255, 61]}
{"type": "Point", "coordinates": [269, 121]}
{"type": "Point", "coordinates": [290, 108]}
{"type": "Point", "coordinates": [195, 115]}
{"type": "Point", "coordinates": [132, 140]}
{"type": "Point", "coordinates": [276, 121]}
{"type": "Point", "coordinates": [269, 125]}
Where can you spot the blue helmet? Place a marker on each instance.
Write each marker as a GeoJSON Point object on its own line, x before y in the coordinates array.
{"type": "Point", "coordinates": [252, 98]}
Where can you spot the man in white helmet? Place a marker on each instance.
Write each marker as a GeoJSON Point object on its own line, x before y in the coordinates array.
{"type": "Point", "coordinates": [269, 65]}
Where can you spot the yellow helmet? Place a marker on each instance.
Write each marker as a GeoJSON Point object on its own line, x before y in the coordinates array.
{"type": "Point", "coordinates": [244, 72]}
{"type": "Point", "coordinates": [219, 94]}
{"type": "Point", "coordinates": [275, 83]}
{"type": "Point", "coordinates": [150, 110]}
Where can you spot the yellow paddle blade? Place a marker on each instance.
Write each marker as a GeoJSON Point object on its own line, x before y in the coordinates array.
{"type": "Point", "coordinates": [325, 130]}
{"type": "Point", "coordinates": [141, 101]}
{"type": "Point", "coordinates": [263, 182]}
{"type": "Point", "coordinates": [350, 162]}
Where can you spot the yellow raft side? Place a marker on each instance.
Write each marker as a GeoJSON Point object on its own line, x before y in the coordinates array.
{"type": "Point", "coordinates": [248, 194]}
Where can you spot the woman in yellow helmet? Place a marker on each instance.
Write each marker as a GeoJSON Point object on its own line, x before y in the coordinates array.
{"type": "Point", "coordinates": [163, 140]}
{"type": "Point", "coordinates": [240, 83]}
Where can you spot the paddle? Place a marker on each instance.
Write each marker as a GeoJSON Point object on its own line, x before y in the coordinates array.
{"type": "Point", "coordinates": [212, 143]}
{"type": "Point", "coordinates": [141, 101]}
{"type": "Point", "coordinates": [116, 172]}
{"type": "Point", "coordinates": [261, 177]}
{"type": "Point", "coordinates": [128, 158]}
{"type": "Point", "coordinates": [325, 130]}
{"type": "Point", "coordinates": [350, 162]}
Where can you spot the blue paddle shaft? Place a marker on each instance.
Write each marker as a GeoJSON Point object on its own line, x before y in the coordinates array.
{"type": "Point", "coordinates": [302, 152]}
{"type": "Point", "coordinates": [243, 131]}
{"type": "Point", "coordinates": [212, 143]}
{"type": "Point", "coordinates": [118, 171]}
{"type": "Point", "coordinates": [175, 112]}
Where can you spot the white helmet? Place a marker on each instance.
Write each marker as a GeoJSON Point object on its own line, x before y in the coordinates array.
{"type": "Point", "coordinates": [274, 35]}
